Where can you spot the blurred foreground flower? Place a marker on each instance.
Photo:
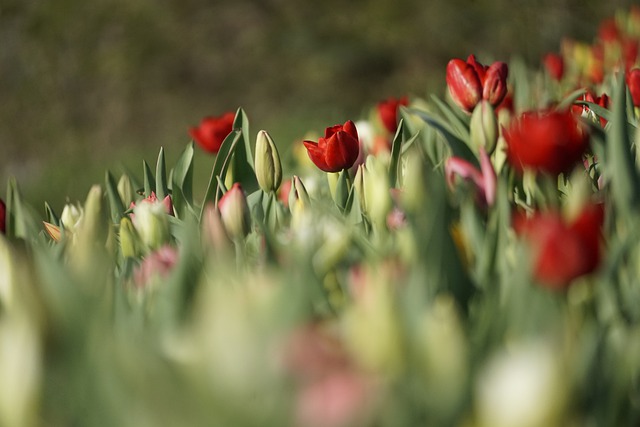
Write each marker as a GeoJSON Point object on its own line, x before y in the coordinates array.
{"type": "Point", "coordinates": [338, 149]}
{"type": "Point", "coordinates": [470, 81]}
{"type": "Point", "coordinates": [212, 131]}
{"type": "Point", "coordinates": [483, 179]}
{"type": "Point", "coordinates": [551, 142]}
{"type": "Point", "coordinates": [388, 112]}
{"type": "Point", "coordinates": [563, 250]}
{"type": "Point", "coordinates": [156, 265]}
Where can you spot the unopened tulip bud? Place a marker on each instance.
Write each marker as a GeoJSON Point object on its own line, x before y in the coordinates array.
{"type": "Point", "coordinates": [152, 223]}
{"type": "Point", "coordinates": [235, 212]}
{"type": "Point", "coordinates": [3, 217]}
{"type": "Point", "coordinates": [484, 127]}
{"type": "Point", "coordinates": [267, 163]}
{"type": "Point", "coordinates": [71, 217]}
{"type": "Point", "coordinates": [129, 239]}
{"type": "Point", "coordinates": [125, 189]}
{"type": "Point", "coordinates": [213, 231]}
{"type": "Point", "coordinates": [494, 86]}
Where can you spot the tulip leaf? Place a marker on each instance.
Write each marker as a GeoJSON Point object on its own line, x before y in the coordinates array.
{"type": "Point", "coordinates": [182, 180]}
{"type": "Point", "coordinates": [220, 167]}
{"type": "Point", "coordinates": [149, 180]}
{"type": "Point", "coordinates": [458, 147]}
{"type": "Point", "coordinates": [115, 202]}
{"type": "Point", "coordinates": [402, 137]}
{"type": "Point", "coordinates": [456, 122]}
{"type": "Point", "coordinates": [51, 216]}
{"type": "Point", "coordinates": [570, 99]}
{"type": "Point", "coordinates": [161, 176]}
{"type": "Point", "coordinates": [242, 159]}
{"type": "Point", "coordinates": [16, 214]}
{"type": "Point", "coordinates": [620, 156]}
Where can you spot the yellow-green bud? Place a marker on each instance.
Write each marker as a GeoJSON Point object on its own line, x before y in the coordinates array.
{"type": "Point", "coordinates": [267, 163]}
{"type": "Point", "coordinates": [152, 223]}
{"type": "Point", "coordinates": [71, 217]}
{"type": "Point", "coordinates": [129, 239]}
{"type": "Point", "coordinates": [125, 189]}
{"type": "Point", "coordinates": [376, 191]}
{"type": "Point", "coordinates": [484, 127]}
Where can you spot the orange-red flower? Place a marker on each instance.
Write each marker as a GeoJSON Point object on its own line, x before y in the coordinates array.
{"type": "Point", "coordinates": [554, 65]}
{"type": "Point", "coordinates": [212, 131]}
{"type": "Point", "coordinates": [338, 149]}
{"type": "Point", "coordinates": [388, 112]}
{"type": "Point", "coordinates": [633, 81]}
{"type": "Point", "coordinates": [551, 142]}
{"type": "Point", "coordinates": [563, 250]}
{"type": "Point", "coordinates": [470, 81]}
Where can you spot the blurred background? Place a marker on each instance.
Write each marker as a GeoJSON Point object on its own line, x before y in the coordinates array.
{"type": "Point", "coordinates": [92, 85]}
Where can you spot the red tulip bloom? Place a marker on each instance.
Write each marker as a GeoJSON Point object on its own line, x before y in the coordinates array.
{"type": "Point", "coordinates": [470, 81]}
{"type": "Point", "coordinates": [338, 149]}
{"type": "Point", "coordinates": [3, 217]}
{"type": "Point", "coordinates": [212, 131]}
{"type": "Point", "coordinates": [388, 112]}
{"type": "Point", "coordinates": [551, 142]}
{"type": "Point", "coordinates": [554, 65]}
{"type": "Point", "coordinates": [563, 251]}
{"type": "Point", "coordinates": [633, 81]}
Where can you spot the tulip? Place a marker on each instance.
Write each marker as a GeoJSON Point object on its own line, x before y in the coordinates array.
{"type": "Point", "coordinates": [563, 250]}
{"type": "Point", "coordinates": [3, 217]}
{"type": "Point", "coordinates": [151, 223]}
{"type": "Point", "coordinates": [388, 112]}
{"type": "Point", "coordinates": [338, 149]}
{"type": "Point", "coordinates": [484, 127]}
{"type": "Point", "coordinates": [550, 142]}
{"type": "Point", "coordinates": [235, 212]}
{"type": "Point", "coordinates": [602, 101]}
{"type": "Point", "coordinates": [157, 265]}
{"type": "Point", "coordinates": [267, 163]}
{"type": "Point", "coordinates": [554, 65]}
{"type": "Point", "coordinates": [212, 131]}
{"type": "Point", "coordinates": [483, 179]}
{"type": "Point", "coordinates": [633, 81]}
{"type": "Point", "coordinates": [469, 82]}
{"type": "Point", "coordinates": [71, 217]}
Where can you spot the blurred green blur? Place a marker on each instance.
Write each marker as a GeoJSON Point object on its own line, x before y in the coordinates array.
{"type": "Point", "coordinates": [91, 85]}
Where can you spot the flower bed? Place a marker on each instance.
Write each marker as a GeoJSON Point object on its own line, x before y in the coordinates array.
{"type": "Point", "coordinates": [465, 261]}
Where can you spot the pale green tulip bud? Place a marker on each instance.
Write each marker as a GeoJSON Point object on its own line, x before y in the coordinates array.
{"type": "Point", "coordinates": [152, 223]}
{"type": "Point", "coordinates": [267, 163]}
{"type": "Point", "coordinates": [125, 189]}
{"type": "Point", "coordinates": [298, 195]}
{"type": "Point", "coordinates": [71, 217]}
{"type": "Point", "coordinates": [235, 212]}
{"type": "Point", "coordinates": [7, 276]}
{"type": "Point", "coordinates": [129, 239]}
{"type": "Point", "coordinates": [376, 191]}
{"type": "Point", "coordinates": [414, 195]}
{"type": "Point", "coordinates": [359, 184]}
{"type": "Point", "coordinates": [484, 127]}
{"type": "Point", "coordinates": [213, 232]}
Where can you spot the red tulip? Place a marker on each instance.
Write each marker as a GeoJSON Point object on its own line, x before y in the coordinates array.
{"type": "Point", "coordinates": [551, 142]}
{"type": "Point", "coordinates": [3, 217]}
{"type": "Point", "coordinates": [338, 149]}
{"type": "Point", "coordinates": [212, 131]}
{"type": "Point", "coordinates": [470, 81]}
{"type": "Point", "coordinates": [388, 112]}
{"type": "Point", "coordinates": [633, 81]}
{"type": "Point", "coordinates": [563, 251]}
{"type": "Point", "coordinates": [554, 65]}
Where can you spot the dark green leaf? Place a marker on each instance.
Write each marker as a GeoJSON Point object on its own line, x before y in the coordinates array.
{"type": "Point", "coordinates": [149, 180]}
{"type": "Point", "coordinates": [115, 203]}
{"type": "Point", "coordinates": [161, 176]}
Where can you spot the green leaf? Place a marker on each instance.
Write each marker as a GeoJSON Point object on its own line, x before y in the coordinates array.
{"type": "Point", "coordinates": [570, 99]}
{"type": "Point", "coordinates": [242, 160]}
{"type": "Point", "coordinates": [51, 215]}
{"type": "Point", "coordinates": [16, 221]}
{"type": "Point", "coordinates": [402, 137]}
{"type": "Point", "coordinates": [620, 156]}
{"type": "Point", "coordinates": [182, 181]}
{"type": "Point", "coordinates": [115, 203]}
{"type": "Point", "coordinates": [458, 147]}
{"type": "Point", "coordinates": [455, 121]}
{"type": "Point", "coordinates": [149, 180]}
{"type": "Point", "coordinates": [220, 167]}
{"type": "Point", "coordinates": [161, 176]}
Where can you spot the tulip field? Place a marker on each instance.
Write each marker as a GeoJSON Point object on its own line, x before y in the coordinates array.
{"type": "Point", "coordinates": [463, 258]}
